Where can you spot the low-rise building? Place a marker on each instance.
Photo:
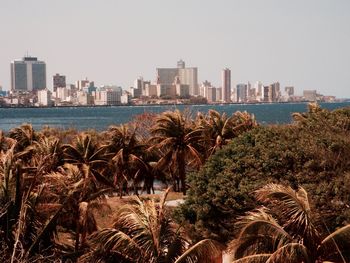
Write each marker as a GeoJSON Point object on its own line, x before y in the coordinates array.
{"type": "Point", "coordinates": [107, 97]}
{"type": "Point", "coordinates": [310, 95]}
{"type": "Point", "coordinates": [84, 98]}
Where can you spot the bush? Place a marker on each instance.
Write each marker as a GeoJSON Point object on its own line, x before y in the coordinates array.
{"type": "Point", "coordinates": [314, 153]}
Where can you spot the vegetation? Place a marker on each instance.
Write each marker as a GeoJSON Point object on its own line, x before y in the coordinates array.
{"type": "Point", "coordinates": [313, 152]}
{"type": "Point", "coordinates": [53, 182]}
{"type": "Point", "coordinates": [143, 232]}
{"type": "Point", "coordinates": [287, 229]}
{"type": "Point", "coordinates": [178, 141]}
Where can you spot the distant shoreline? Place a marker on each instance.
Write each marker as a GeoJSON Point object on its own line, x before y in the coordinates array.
{"type": "Point", "coordinates": [169, 104]}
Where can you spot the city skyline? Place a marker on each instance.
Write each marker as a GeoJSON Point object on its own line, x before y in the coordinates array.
{"type": "Point", "coordinates": [300, 44]}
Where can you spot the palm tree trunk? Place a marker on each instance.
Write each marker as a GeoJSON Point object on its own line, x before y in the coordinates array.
{"type": "Point", "coordinates": [182, 172]}
{"type": "Point", "coordinates": [77, 235]}
{"type": "Point", "coordinates": [77, 230]}
{"type": "Point", "coordinates": [18, 194]}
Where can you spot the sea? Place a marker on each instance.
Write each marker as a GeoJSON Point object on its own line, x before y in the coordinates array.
{"type": "Point", "coordinates": [100, 118]}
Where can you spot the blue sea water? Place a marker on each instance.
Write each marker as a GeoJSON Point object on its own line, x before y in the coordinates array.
{"type": "Point", "coordinates": [99, 118]}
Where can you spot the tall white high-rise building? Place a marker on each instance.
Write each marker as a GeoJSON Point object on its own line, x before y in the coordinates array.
{"type": "Point", "coordinates": [226, 85]}
{"type": "Point", "coordinates": [28, 74]}
{"type": "Point", "coordinates": [259, 91]}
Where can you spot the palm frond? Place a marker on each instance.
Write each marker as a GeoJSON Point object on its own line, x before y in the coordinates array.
{"type": "Point", "coordinates": [110, 239]}
{"type": "Point", "coordinates": [258, 258]}
{"type": "Point", "coordinates": [293, 206]}
{"type": "Point", "coordinates": [260, 233]}
{"type": "Point", "coordinates": [294, 252]}
{"type": "Point", "coordinates": [205, 251]}
{"type": "Point", "coordinates": [336, 246]}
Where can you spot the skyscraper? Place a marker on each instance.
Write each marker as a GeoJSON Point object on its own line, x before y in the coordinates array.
{"type": "Point", "coordinates": [28, 74]}
{"type": "Point", "coordinates": [59, 81]}
{"type": "Point", "coordinates": [289, 90]}
{"type": "Point", "coordinates": [226, 85]}
{"type": "Point", "coordinates": [242, 92]}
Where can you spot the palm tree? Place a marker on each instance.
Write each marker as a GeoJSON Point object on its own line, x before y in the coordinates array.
{"type": "Point", "coordinates": [87, 160]}
{"type": "Point", "coordinates": [5, 142]}
{"type": "Point", "coordinates": [142, 232]}
{"type": "Point", "coordinates": [287, 231]}
{"type": "Point", "coordinates": [242, 122]}
{"type": "Point", "coordinates": [153, 172]}
{"type": "Point", "coordinates": [28, 210]}
{"type": "Point", "coordinates": [24, 136]}
{"type": "Point", "coordinates": [47, 153]}
{"type": "Point", "coordinates": [89, 157]}
{"type": "Point", "coordinates": [10, 194]}
{"type": "Point", "coordinates": [127, 155]}
{"type": "Point", "coordinates": [313, 108]}
{"type": "Point", "coordinates": [175, 137]}
{"type": "Point", "coordinates": [217, 129]}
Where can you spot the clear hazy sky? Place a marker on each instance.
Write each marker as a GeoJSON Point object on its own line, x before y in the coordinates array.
{"type": "Point", "coordinates": [305, 43]}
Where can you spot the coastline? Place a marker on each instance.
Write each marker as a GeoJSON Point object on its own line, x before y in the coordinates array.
{"type": "Point", "coordinates": [170, 104]}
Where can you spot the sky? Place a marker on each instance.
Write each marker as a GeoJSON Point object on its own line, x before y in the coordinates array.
{"type": "Point", "coordinates": [300, 43]}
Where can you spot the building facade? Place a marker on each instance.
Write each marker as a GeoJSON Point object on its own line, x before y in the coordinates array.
{"type": "Point", "coordinates": [218, 94]}
{"type": "Point", "coordinates": [136, 90]}
{"type": "Point", "coordinates": [62, 93]}
{"type": "Point", "coordinates": [226, 85]}
{"type": "Point", "coordinates": [310, 95]}
{"type": "Point", "coordinates": [59, 81]}
{"type": "Point", "coordinates": [187, 76]}
{"type": "Point", "coordinates": [211, 94]}
{"type": "Point", "coordinates": [203, 89]}
{"type": "Point", "coordinates": [81, 84]}
{"type": "Point", "coordinates": [44, 98]}
{"type": "Point", "coordinates": [241, 92]}
{"type": "Point", "coordinates": [289, 91]}
{"type": "Point", "coordinates": [150, 90]}
{"type": "Point", "coordinates": [28, 74]}
{"type": "Point", "coordinates": [108, 95]}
